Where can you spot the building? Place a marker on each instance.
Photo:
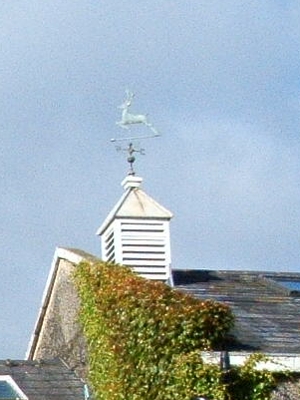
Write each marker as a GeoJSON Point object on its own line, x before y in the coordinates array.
{"type": "Point", "coordinates": [136, 233]}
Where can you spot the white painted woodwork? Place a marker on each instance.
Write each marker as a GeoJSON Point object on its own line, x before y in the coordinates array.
{"type": "Point", "coordinates": [136, 233]}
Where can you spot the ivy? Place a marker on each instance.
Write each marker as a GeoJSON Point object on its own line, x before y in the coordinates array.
{"type": "Point", "coordinates": [251, 382]}
{"type": "Point", "coordinates": [144, 340]}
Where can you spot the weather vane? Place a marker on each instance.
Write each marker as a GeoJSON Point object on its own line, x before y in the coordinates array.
{"type": "Point", "coordinates": [127, 120]}
{"type": "Point", "coordinates": [131, 158]}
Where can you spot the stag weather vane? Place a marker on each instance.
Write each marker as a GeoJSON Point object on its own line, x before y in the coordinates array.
{"type": "Point", "coordinates": [127, 120]}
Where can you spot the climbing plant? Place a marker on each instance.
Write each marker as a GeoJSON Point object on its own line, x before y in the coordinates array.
{"type": "Point", "coordinates": [144, 339]}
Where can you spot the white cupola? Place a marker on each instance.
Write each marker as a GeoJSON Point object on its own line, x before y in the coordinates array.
{"type": "Point", "coordinates": [136, 233]}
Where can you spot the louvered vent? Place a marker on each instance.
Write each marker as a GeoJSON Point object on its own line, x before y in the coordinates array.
{"type": "Point", "coordinates": [145, 247]}
{"type": "Point", "coordinates": [109, 246]}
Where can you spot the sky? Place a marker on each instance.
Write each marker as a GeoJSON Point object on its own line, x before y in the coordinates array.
{"type": "Point", "coordinates": [219, 79]}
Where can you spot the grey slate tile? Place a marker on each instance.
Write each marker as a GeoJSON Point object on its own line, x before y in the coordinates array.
{"type": "Point", "coordinates": [267, 315]}
{"type": "Point", "coordinates": [45, 380]}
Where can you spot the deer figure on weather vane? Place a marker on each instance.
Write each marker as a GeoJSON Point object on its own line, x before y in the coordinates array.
{"type": "Point", "coordinates": [129, 119]}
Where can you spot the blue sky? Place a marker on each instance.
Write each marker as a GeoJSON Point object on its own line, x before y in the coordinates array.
{"type": "Point", "coordinates": [219, 79]}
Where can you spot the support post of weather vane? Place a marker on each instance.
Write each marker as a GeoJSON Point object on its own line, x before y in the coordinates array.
{"type": "Point", "coordinates": [126, 122]}
{"type": "Point", "coordinates": [131, 159]}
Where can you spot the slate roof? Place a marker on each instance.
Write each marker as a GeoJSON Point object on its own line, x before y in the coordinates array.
{"type": "Point", "coordinates": [44, 380]}
{"type": "Point", "coordinates": [267, 315]}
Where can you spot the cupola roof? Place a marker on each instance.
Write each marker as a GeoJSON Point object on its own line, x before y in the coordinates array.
{"type": "Point", "coordinates": [135, 203]}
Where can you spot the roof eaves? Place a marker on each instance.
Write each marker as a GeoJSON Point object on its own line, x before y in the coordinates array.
{"type": "Point", "coordinates": [276, 362]}
{"type": "Point", "coordinates": [112, 213]}
{"type": "Point", "coordinates": [115, 212]}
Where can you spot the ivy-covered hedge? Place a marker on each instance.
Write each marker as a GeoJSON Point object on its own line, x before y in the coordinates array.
{"type": "Point", "coordinates": [144, 338]}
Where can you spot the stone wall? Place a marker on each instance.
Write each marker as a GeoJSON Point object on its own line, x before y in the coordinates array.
{"type": "Point", "coordinates": [60, 334]}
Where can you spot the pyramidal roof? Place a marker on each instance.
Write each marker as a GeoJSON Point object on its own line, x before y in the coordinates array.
{"type": "Point", "coordinates": [135, 203]}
